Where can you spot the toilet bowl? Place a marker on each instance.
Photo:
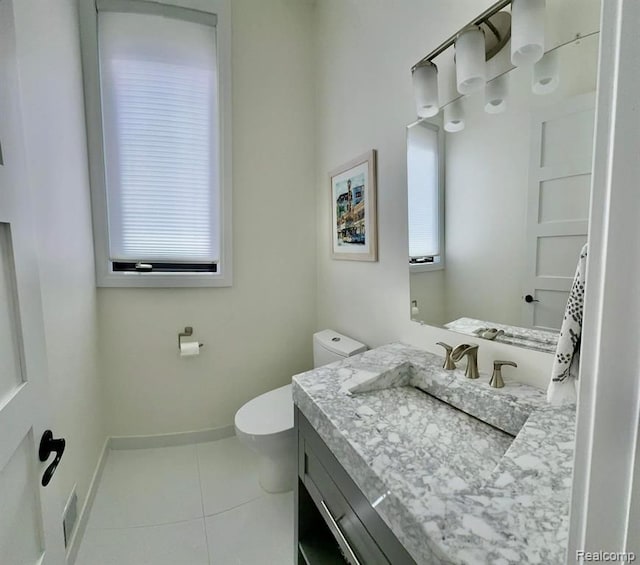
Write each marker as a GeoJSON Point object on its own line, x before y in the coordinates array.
{"type": "Point", "coordinates": [265, 424]}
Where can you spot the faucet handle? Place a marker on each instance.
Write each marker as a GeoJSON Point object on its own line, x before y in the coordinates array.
{"type": "Point", "coordinates": [449, 365]}
{"type": "Point", "coordinates": [496, 378]}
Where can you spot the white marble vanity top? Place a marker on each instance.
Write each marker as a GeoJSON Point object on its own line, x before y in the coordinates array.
{"type": "Point", "coordinates": [451, 483]}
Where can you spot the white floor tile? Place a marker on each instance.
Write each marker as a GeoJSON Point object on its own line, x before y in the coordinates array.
{"type": "Point", "coordinates": [228, 473]}
{"type": "Point", "coordinates": [144, 487]}
{"type": "Point", "coordinates": [183, 543]}
{"type": "Point", "coordinates": [260, 531]}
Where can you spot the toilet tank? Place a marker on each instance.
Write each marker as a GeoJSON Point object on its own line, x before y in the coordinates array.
{"type": "Point", "coordinates": [330, 346]}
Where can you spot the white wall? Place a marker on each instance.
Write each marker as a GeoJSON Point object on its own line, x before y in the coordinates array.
{"type": "Point", "coordinates": [257, 334]}
{"type": "Point", "coordinates": [53, 119]}
{"type": "Point", "coordinates": [365, 50]}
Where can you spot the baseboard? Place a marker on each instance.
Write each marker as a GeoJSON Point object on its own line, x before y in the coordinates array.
{"type": "Point", "coordinates": [170, 440]}
{"type": "Point", "coordinates": [83, 518]}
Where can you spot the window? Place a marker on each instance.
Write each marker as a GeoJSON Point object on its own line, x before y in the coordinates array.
{"type": "Point", "coordinates": [158, 115]}
{"type": "Point", "coordinates": [425, 200]}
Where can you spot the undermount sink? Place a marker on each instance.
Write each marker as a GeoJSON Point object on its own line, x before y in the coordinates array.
{"type": "Point", "coordinates": [436, 432]}
{"type": "Point", "coordinates": [506, 409]}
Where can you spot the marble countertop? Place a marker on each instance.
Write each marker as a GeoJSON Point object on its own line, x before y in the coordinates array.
{"type": "Point", "coordinates": [454, 485]}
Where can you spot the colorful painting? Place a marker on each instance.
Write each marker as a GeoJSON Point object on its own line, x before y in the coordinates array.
{"type": "Point", "coordinates": [353, 203]}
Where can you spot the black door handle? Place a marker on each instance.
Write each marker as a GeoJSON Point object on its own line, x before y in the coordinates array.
{"type": "Point", "coordinates": [529, 299]}
{"type": "Point", "coordinates": [48, 445]}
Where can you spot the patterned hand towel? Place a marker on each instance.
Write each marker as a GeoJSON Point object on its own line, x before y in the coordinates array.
{"type": "Point", "coordinates": [566, 365]}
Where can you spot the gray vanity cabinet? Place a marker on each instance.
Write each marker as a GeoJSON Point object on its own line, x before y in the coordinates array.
{"type": "Point", "coordinates": [334, 522]}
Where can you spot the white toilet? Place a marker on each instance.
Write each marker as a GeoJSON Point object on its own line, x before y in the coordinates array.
{"type": "Point", "coordinates": [265, 424]}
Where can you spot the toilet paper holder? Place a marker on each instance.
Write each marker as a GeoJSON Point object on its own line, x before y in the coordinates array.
{"type": "Point", "coordinates": [188, 332]}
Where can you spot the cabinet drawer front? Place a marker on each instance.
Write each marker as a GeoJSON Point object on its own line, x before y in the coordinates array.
{"type": "Point", "coordinates": [326, 494]}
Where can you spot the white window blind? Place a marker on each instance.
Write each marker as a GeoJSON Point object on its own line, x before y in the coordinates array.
{"type": "Point", "coordinates": [423, 191]}
{"type": "Point", "coordinates": [159, 92]}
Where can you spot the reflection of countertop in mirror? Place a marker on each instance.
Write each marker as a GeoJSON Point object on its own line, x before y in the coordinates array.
{"type": "Point", "coordinates": [540, 340]}
{"type": "Point", "coordinates": [451, 487]}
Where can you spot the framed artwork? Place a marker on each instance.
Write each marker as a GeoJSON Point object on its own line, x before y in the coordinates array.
{"type": "Point", "coordinates": [354, 229]}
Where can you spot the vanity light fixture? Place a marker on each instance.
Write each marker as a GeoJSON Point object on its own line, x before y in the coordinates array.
{"type": "Point", "coordinates": [475, 43]}
{"type": "Point", "coordinates": [425, 89]}
{"type": "Point", "coordinates": [495, 95]}
{"type": "Point", "coordinates": [527, 36]}
{"type": "Point", "coordinates": [546, 75]}
{"type": "Point", "coordinates": [470, 60]}
{"type": "Point", "coordinates": [454, 117]}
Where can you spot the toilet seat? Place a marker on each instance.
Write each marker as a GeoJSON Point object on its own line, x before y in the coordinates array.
{"type": "Point", "coordinates": [269, 413]}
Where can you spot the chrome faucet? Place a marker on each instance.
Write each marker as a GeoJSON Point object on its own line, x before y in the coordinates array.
{"type": "Point", "coordinates": [471, 352]}
{"type": "Point", "coordinates": [496, 378]}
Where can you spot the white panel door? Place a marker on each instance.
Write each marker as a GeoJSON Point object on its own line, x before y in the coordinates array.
{"type": "Point", "coordinates": [30, 518]}
{"type": "Point", "coordinates": [557, 207]}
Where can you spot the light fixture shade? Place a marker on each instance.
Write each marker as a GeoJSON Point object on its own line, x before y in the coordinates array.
{"type": "Point", "coordinates": [546, 74]}
{"type": "Point", "coordinates": [454, 117]}
{"type": "Point", "coordinates": [527, 31]}
{"type": "Point", "coordinates": [425, 89]}
{"type": "Point", "coordinates": [470, 61]}
{"type": "Point", "coordinates": [495, 95]}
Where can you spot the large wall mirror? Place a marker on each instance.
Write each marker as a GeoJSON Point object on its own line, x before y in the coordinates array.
{"type": "Point", "coordinates": [498, 210]}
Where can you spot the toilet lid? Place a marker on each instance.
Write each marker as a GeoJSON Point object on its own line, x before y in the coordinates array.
{"type": "Point", "coordinates": [269, 413]}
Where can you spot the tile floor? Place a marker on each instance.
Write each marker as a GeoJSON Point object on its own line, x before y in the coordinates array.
{"type": "Point", "coordinates": [187, 505]}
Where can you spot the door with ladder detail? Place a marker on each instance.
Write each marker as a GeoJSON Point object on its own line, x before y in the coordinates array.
{"type": "Point", "coordinates": [557, 207]}
{"type": "Point", "coordinates": [30, 513]}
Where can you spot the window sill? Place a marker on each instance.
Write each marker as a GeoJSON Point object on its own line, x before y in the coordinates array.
{"type": "Point", "coordinates": [162, 280]}
{"type": "Point", "coordinates": [426, 267]}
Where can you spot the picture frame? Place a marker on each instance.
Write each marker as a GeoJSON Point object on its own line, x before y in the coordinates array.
{"type": "Point", "coordinates": [354, 218]}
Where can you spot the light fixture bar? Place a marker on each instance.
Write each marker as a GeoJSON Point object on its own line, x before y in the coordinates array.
{"type": "Point", "coordinates": [481, 19]}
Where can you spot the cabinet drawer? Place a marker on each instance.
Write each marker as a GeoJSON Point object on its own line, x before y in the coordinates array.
{"type": "Point", "coordinates": [360, 548]}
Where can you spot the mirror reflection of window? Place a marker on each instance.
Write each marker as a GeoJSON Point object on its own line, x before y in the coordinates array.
{"type": "Point", "coordinates": [425, 218]}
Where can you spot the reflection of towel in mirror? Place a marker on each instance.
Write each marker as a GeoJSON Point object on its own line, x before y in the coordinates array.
{"type": "Point", "coordinates": [566, 365]}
